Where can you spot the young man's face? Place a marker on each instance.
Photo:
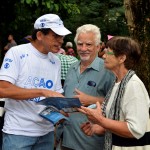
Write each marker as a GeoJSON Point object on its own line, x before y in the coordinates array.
{"type": "Point", "coordinates": [51, 42]}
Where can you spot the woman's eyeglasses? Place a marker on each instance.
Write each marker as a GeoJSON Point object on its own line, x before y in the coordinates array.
{"type": "Point", "coordinates": [108, 52]}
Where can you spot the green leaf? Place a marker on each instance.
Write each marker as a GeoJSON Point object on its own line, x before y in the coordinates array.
{"type": "Point", "coordinates": [36, 2]}
{"type": "Point", "coordinates": [28, 1]}
{"type": "Point", "coordinates": [56, 7]}
{"type": "Point", "coordinates": [48, 5]}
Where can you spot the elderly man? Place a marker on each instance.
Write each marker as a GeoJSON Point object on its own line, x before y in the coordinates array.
{"type": "Point", "coordinates": [89, 81]}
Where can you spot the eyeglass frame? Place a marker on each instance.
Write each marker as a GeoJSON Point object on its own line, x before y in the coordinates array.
{"type": "Point", "coordinates": [108, 52]}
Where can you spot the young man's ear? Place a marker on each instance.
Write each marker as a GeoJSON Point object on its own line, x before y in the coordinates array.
{"type": "Point", "coordinates": [39, 35]}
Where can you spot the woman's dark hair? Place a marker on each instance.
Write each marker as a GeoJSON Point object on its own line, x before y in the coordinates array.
{"type": "Point", "coordinates": [44, 31]}
{"type": "Point", "coordinates": [125, 46]}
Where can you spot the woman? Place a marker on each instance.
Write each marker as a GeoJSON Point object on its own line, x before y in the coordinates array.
{"type": "Point", "coordinates": [124, 114]}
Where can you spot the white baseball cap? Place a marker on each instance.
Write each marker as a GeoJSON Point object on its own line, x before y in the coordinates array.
{"type": "Point", "coordinates": [53, 22]}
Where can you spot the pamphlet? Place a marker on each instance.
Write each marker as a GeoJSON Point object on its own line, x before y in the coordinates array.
{"type": "Point", "coordinates": [55, 104]}
{"type": "Point", "coordinates": [61, 102]}
{"type": "Point", "coordinates": [51, 114]}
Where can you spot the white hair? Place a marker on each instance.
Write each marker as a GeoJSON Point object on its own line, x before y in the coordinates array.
{"type": "Point", "coordinates": [89, 28]}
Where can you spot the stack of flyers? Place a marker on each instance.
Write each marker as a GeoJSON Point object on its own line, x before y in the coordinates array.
{"type": "Point", "coordinates": [62, 103]}
{"type": "Point", "coordinates": [52, 114]}
{"type": "Point", "coordinates": [55, 104]}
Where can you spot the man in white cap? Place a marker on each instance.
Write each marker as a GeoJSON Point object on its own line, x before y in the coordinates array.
{"type": "Point", "coordinates": [29, 73]}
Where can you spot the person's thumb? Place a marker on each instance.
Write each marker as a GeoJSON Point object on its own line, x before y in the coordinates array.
{"type": "Point", "coordinates": [98, 106]}
{"type": "Point", "coordinates": [78, 91]}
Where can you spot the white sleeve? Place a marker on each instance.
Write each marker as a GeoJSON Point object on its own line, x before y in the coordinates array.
{"type": "Point", "coordinates": [136, 108]}
{"type": "Point", "coordinates": [10, 67]}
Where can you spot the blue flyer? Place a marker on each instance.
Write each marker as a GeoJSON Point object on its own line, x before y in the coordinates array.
{"type": "Point", "coordinates": [61, 102]}
{"type": "Point", "coordinates": [55, 104]}
{"type": "Point", "coordinates": [51, 114]}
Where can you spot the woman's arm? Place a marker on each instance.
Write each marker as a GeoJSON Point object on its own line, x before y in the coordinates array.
{"type": "Point", "coordinates": [117, 127]}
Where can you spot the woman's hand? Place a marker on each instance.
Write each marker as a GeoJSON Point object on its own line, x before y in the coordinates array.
{"type": "Point", "coordinates": [94, 115]}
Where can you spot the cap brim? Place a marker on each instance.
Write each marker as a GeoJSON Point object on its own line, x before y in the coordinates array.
{"type": "Point", "coordinates": [61, 31]}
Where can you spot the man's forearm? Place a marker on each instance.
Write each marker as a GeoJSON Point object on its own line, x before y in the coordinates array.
{"type": "Point", "coordinates": [20, 93]}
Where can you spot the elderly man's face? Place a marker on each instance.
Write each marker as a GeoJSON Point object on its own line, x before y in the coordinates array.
{"type": "Point", "coordinates": [86, 46]}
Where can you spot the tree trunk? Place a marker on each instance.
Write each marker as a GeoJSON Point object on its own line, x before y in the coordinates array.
{"type": "Point", "coordinates": [137, 13]}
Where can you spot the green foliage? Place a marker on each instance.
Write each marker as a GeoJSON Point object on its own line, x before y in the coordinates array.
{"type": "Point", "coordinates": [54, 5]}
{"type": "Point", "coordinates": [108, 15]}
{"type": "Point", "coordinates": [25, 12]}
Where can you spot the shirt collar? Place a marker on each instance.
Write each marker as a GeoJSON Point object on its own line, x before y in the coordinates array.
{"type": "Point", "coordinates": [94, 65]}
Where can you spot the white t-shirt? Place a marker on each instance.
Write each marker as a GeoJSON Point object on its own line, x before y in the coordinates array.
{"type": "Point", "coordinates": [26, 67]}
{"type": "Point", "coordinates": [134, 106]}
